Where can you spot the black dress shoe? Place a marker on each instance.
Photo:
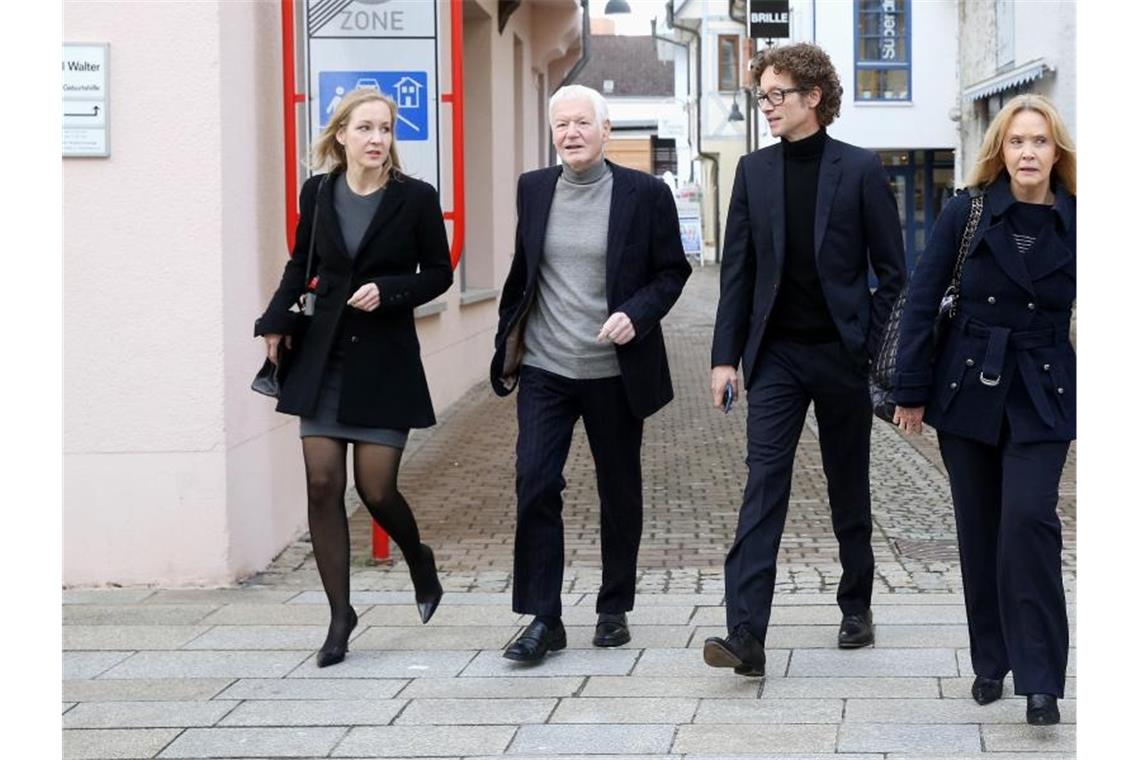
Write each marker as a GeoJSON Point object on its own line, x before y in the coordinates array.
{"type": "Point", "coordinates": [336, 643]}
{"type": "Point", "coordinates": [741, 651]}
{"type": "Point", "coordinates": [856, 631]}
{"type": "Point", "coordinates": [426, 580]}
{"type": "Point", "coordinates": [612, 630]}
{"type": "Point", "coordinates": [986, 690]}
{"type": "Point", "coordinates": [534, 642]}
{"type": "Point", "coordinates": [1041, 710]}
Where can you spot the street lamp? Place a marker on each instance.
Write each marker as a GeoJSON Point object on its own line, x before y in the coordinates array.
{"type": "Point", "coordinates": [735, 114]}
{"type": "Point", "coordinates": [616, 6]}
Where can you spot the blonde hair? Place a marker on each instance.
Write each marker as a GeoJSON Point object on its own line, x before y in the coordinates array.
{"type": "Point", "coordinates": [329, 154]}
{"type": "Point", "coordinates": [991, 164]}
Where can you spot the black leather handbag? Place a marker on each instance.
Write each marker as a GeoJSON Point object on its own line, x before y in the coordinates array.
{"type": "Point", "coordinates": [270, 377]}
{"type": "Point", "coordinates": [881, 381]}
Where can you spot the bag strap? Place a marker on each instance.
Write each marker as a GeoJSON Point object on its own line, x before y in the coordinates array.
{"type": "Point", "coordinates": [313, 232]}
{"type": "Point", "coordinates": [977, 200]}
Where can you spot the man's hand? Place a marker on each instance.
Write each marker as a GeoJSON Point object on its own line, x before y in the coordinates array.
{"type": "Point", "coordinates": [723, 375]}
{"type": "Point", "coordinates": [909, 419]}
{"type": "Point", "coordinates": [366, 298]}
{"type": "Point", "coordinates": [618, 328]}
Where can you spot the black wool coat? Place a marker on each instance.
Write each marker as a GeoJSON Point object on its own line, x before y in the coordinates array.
{"type": "Point", "coordinates": [1012, 325]}
{"type": "Point", "coordinates": [646, 270]}
{"type": "Point", "coordinates": [384, 384]}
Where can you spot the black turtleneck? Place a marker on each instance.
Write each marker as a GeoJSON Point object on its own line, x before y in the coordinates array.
{"type": "Point", "coordinates": [800, 312]}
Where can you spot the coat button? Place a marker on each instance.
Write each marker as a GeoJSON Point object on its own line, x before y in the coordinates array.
{"type": "Point", "coordinates": [1031, 306]}
{"type": "Point", "coordinates": [991, 299]}
{"type": "Point", "coordinates": [1046, 367]}
{"type": "Point", "coordinates": [969, 362]}
{"type": "Point", "coordinates": [1061, 391]}
{"type": "Point", "coordinates": [953, 386]}
{"type": "Point", "coordinates": [354, 339]}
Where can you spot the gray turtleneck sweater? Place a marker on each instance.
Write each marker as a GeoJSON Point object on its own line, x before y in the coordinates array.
{"type": "Point", "coordinates": [570, 306]}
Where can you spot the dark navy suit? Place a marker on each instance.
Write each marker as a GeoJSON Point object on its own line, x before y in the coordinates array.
{"type": "Point", "coordinates": [645, 272]}
{"type": "Point", "coordinates": [1001, 391]}
{"type": "Point", "coordinates": [856, 222]}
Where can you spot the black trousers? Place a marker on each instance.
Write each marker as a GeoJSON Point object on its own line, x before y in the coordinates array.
{"type": "Point", "coordinates": [548, 408]}
{"type": "Point", "coordinates": [787, 377]}
{"type": "Point", "coordinates": [1009, 542]}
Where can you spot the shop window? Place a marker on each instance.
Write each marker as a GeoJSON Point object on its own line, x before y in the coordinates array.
{"type": "Point", "coordinates": [728, 62]}
{"type": "Point", "coordinates": [882, 50]}
{"type": "Point", "coordinates": [664, 154]}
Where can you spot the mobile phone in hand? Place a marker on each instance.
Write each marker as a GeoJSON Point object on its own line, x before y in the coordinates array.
{"type": "Point", "coordinates": [727, 399]}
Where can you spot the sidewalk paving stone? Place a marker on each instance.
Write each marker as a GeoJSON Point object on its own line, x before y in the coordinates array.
{"type": "Point", "coordinates": [80, 665]}
{"type": "Point", "coordinates": [959, 688]}
{"type": "Point", "coordinates": [454, 615]}
{"type": "Point", "coordinates": [206, 665]}
{"type": "Point", "coordinates": [272, 614]}
{"type": "Point", "coordinates": [1042, 755]}
{"type": "Point", "coordinates": [1026, 738]}
{"type": "Point", "coordinates": [873, 662]}
{"type": "Point", "coordinates": [736, 739]}
{"type": "Point", "coordinates": [264, 637]}
{"type": "Point", "coordinates": [129, 637]}
{"type": "Point", "coordinates": [601, 710]}
{"type": "Point", "coordinates": [105, 596]}
{"type": "Point", "coordinates": [770, 710]}
{"type": "Point", "coordinates": [315, 712]}
{"type": "Point", "coordinates": [641, 636]}
{"type": "Point", "coordinates": [85, 744]}
{"type": "Point", "coordinates": [219, 596]}
{"type": "Point", "coordinates": [145, 689]}
{"type": "Point", "coordinates": [889, 737]}
{"type": "Point", "coordinates": [371, 663]}
{"type": "Point", "coordinates": [147, 714]}
{"type": "Point", "coordinates": [472, 687]}
{"type": "Point", "coordinates": [688, 662]}
{"type": "Point", "coordinates": [135, 614]}
{"type": "Point", "coordinates": [314, 688]}
{"type": "Point", "coordinates": [945, 711]}
{"type": "Point", "coordinates": [647, 615]}
{"type": "Point", "coordinates": [431, 637]}
{"type": "Point", "coordinates": [415, 741]}
{"type": "Point", "coordinates": [592, 740]}
{"type": "Point", "coordinates": [848, 687]}
{"type": "Point", "coordinates": [568, 662]}
{"type": "Point", "coordinates": [252, 742]}
{"type": "Point", "coordinates": [476, 712]}
{"type": "Point", "coordinates": [673, 686]}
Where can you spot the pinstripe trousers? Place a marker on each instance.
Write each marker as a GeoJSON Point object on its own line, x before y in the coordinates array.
{"type": "Point", "coordinates": [549, 407]}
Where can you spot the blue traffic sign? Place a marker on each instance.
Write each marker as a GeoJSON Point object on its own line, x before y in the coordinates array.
{"type": "Point", "coordinates": [408, 88]}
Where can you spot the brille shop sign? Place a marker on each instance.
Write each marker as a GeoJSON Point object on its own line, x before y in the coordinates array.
{"type": "Point", "coordinates": [768, 19]}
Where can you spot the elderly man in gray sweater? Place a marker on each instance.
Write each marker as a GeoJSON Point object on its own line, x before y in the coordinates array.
{"type": "Point", "coordinates": [598, 262]}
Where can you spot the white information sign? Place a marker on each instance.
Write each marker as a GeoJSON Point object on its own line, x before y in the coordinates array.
{"type": "Point", "coordinates": [85, 123]}
{"type": "Point", "coordinates": [388, 45]}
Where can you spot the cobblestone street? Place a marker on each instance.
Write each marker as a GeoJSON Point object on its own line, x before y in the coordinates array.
{"type": "Point", "coordinates": [231, 673]}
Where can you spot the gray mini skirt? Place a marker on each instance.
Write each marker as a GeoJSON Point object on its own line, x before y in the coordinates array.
{"type": "Point", "coordinates": [324, 422]}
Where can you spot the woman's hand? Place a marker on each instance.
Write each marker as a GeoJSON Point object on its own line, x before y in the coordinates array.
{"type": "Point", "coordinates": [366, 298]}
{"type": "Point", "coordinates": [909, 418]}
{"type": "Point", "coordinates": [272, 341]}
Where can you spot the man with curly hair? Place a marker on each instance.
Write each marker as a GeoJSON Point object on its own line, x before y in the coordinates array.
{"type": "Point", "coordinates": [807, 215]}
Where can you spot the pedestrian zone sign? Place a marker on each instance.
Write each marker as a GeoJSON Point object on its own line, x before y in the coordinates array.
{"type": "Point", "coordinates": [407, 88]}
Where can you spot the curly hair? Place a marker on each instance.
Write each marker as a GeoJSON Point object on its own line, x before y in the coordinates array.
{"type": "Point", "coordinates": [810, 67]}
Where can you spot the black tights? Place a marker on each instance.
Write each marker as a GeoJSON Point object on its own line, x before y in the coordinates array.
{"type": "Point", "coordinates": [376, 468]}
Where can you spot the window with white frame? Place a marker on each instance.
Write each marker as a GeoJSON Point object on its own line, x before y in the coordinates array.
{"type": "Point", "coordinates": [882, 50]}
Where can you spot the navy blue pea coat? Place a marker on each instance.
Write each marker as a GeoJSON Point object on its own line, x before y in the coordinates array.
{"type": "Point", "coordinates": [1007, 354]}
{"type": "Point", "coordinates": [404, 252]}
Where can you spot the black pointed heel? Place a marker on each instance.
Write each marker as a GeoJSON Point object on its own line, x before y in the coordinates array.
{"type": "Point", "coordinates": [332, 651]}
{"type": "Point", "coordinates": [426, 580]}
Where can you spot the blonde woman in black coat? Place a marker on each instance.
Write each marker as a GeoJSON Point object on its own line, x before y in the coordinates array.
{"type": "Point", "coordinates": [379, 250]}
{"type": "Point", "coordinates": [1001, 391]}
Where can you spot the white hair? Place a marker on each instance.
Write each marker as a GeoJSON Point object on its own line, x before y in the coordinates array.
{"type": "Point", "coordinates": [576, 91]}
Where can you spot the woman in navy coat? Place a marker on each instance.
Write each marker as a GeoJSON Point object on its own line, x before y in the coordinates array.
{"type": "Point", "coordinates": [379, 250]}
{"type": "Point", "coordinates": [1001, 391]}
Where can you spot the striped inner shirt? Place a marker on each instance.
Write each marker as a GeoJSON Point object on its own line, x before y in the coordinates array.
{"type": "Point", "coordinates": [1023, 242]}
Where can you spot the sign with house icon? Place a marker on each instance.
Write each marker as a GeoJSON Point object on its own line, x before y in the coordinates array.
{"type": "Point", "coordinates": [407, 88]}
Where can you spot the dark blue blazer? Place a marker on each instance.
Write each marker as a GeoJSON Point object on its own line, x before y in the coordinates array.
{"type": "Point", "coordinates": [1012, 323]}
{"type": "Point", "coordinates": [856, 221]}
{"type": "Point", "coordinates": [645, 272]}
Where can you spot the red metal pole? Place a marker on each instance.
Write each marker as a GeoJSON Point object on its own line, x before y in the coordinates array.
{"type": "Point", "coordinates": [458, 215]}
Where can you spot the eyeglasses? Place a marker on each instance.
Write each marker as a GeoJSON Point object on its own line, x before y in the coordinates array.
{"type": "Point", "coordinates": [776, 95]}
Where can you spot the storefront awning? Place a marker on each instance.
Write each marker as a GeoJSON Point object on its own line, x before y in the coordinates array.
{"type": "Point", "coordinates": [1007, 80]}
